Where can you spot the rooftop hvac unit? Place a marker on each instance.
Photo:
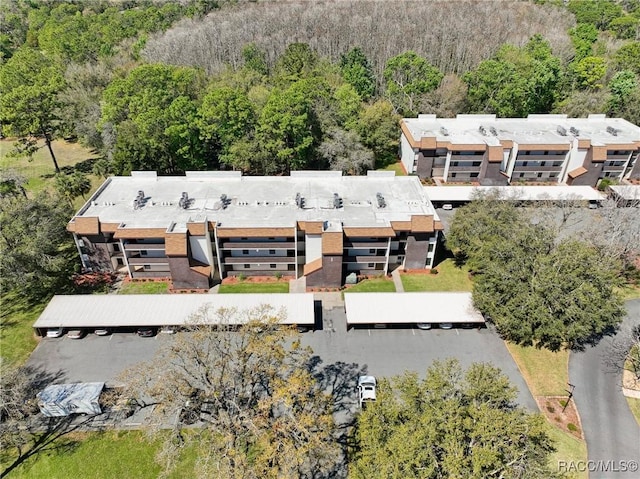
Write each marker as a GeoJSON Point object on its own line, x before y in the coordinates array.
{"type": "Point", "coordinates": [574, 131]}
{"type": "Point", "coordinates": [444, 131]}
{"type": "Point", "coordinates": [562, 130]}
{"type": "Point", "coordinates": [184, 200]}
{"type": "Point", "coordinates": [381, 201]}
{"type": "Point", "coordinates": [613, 131]}
{"type": "Point", "coordinates": [299, 200]}
{"type": "Point", "coordinates": [337, 201]}
{"type": "Point", "coordinates": [482, 130]}
{"type": "Point", "coordinates": [493, 131]}
{"type": "Point", "coordinates": [224, 201]}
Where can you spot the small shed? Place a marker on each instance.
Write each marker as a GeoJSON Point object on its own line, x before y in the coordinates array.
{"type": "Point", "coordinates": [65, 399]}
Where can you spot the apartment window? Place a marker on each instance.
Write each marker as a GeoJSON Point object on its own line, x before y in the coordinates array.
{"type": "Point", "coordinates": [272, 266]}
{"type": "Point", "coordinates": [372, 251]}
{"type": "Point", "coordinates": [143, 253]}
{"type": "Point", "coordinates": [539, 175]}
{"type": "Point", "coordinates": [454, 163]}
{"type": "Point", "coordinates": [476, 163]}
{"type": "Point", "coordinates": [271, 239]}
{"type": "Point", "coordinates": [452, 175]}
{"type": "Point", "coordinates": [371, 265]}
{"type": "Point", "coordinates": [245, 251]}
{"type": "Point", "coordinates": [245, 266]}
{"type": "Point", "coordinates": [431, 246]}
{"type": "Point", "coordinates": [147, 266]}
{"type": "Point", "coordinates": [272, 251]}
{"type": "Point", "coordinates": [521, 175]}
{"type": "Point", "coordinates": [553, 175]}
{"type": "Point", "coordinates": [116, 247]}
{"type": "Point", "coordinates": [557, 163]}
{"type": "Point", "coordinates": [119, 262]}
{"type": "Point", "coordinates": [473, 175]}
{"type": "Point", "coordinates": [244, 239]}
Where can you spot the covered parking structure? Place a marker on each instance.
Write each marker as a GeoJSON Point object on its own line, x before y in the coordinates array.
{"type": "Point", "coordinates": [460, 195]}
{"type": "Point", "coordinates": [143, 310]}
{"type": "Point", "coordinates": [410, 308]}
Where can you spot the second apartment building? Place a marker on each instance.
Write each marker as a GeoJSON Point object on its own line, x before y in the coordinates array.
{"type": "Point", "coordinates": [540, 148]}
{"type": "Point", "coordinates": [204, 226]}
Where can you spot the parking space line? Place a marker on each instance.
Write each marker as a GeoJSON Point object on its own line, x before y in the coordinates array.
{"type": "Point", "coordinates": [413, 331]}
{"type": "Point", "coordinates": [457, 332]}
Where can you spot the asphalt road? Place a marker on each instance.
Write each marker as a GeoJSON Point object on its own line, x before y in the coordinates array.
{"type": "Point", "coordinates": [611, 432]}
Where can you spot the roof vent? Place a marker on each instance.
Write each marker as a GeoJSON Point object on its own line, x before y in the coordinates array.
{"type": "Point", "coordinates": [613, 131]}
{"type": "Point", "coordinates": [299, 201]}
{"type": "Point", "coordinates": [381, 201]}
{"type": "Point", "coordinates": [482, 130]}
{"type": "Point", "coordinates": [574, 131]}
{"type": "Point", "coordinates": [444, 131]}
{"type": "Point", "coordinates": [493, 131]}
{"type": "Point", "coordinates": [562, 130]}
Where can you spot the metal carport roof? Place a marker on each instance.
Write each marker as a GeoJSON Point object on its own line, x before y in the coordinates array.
{"type": "Point", "coordinates": [461, 193]}
{"type": "Point", "coordinates": [112, 310]}
{"type": "Point", "coordinates": [390, 308]}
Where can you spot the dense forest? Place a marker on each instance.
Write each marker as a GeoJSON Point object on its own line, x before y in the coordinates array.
{"type": "Point", "coordinates": [267, 87]}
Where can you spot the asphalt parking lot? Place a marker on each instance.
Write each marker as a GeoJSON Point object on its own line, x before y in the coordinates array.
{"type": "Point", "coordinates": [380, 352]}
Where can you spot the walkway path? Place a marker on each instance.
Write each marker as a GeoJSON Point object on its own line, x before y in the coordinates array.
{"type": "Point", "coordinates": [611, 432]}
{"type": "Point", "coordinates": [397, 281]}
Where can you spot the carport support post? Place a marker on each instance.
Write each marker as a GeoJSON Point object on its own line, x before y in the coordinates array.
{"type": "Point", "coordinates": [570, 391]}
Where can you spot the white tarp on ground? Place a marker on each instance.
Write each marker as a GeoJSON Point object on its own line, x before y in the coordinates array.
{"type": "Point", "coordinates": [134, 310]}
{"type": "Point", "coordinates": [399, 308]}
{"type": "Point", "coordinates": [66, 399]}
{"type": "Point", "coordinates": [463, 193]}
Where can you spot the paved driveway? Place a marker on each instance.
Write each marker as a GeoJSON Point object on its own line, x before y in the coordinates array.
{"type": "Point", "coordinates": [381, 352]}
{"type": "Point", "coordinates": [93, 358]}
{"type": "Point", "coordinates": [611, 432]}
{"type": "Point", "coordinates": [387, 352]}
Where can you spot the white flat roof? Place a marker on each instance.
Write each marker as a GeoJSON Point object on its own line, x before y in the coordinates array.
{"type": "Point", "coordinates": [535, 129]}
{"type": "Point", "coordinates": [258, 201]}
{"type": "Point", "coordinates": [519, 193]}
{"type": "Point", "coordinates": [112, 310]}
{"type": "Point", "coordinates": [627, 192]}
{"type": "Point", "coordinates": [390, 308]}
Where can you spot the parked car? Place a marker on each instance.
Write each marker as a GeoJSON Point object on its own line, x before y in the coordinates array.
{"type": "Point", "coordinates": [423, 326]}
{"type": "Point", "coordinates": [169, 329]}
{"type": "Point", "coordinates": [447, 206]}
{"type": "Point", "coordinates": [102, 332]}
{"type": "Point", "coordinates": [366, 389]}
{"type": "Point", "coordinates": [445, 325]}
{"type": "Point", "coordinates": [76, 333]}
{"type": "Point", "coordinates": [54, 332]}
{"type": "Point", "coordinates": [146, 332]}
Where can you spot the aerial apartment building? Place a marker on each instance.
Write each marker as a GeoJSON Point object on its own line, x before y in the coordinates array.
{"type": "Point", "coordinates": [204, 226]}
{"type": "Point", "coordinates": [540, 148]}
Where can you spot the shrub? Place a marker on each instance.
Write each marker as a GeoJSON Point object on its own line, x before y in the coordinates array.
{"type": "Point", "coordinates": [572, 427]}
{"type": "Point", "coordinates": [241, 277]}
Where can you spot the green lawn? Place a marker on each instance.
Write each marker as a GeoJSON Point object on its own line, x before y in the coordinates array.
{"type": "Point", "coordinates": [149, 287]}
{"type": "Point", "coordinates": [279, 287]}
{"type": "Point", "coordinates": [17, 316]}
{"type": "Point", "coordinates": [125, 454]}
{"type": "Point", "coordinates": [634, 405]}
{"type": "Point", "coordinates": [397, 167]}
{"type": "Point", "coordinates": [568, 449]}
{"type": "Point", "coordinates": [449, 278]}
{"type": "Point", "coordinates": [374, 285]}
{"type": "Point", "coordinates": [40, 169]}
{"type": "Point", "coordinates": [546, 372]}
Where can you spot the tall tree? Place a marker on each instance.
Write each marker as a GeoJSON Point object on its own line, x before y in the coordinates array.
{"type": "Point", "coordinates": [516, 82]}
{"type": "Point", "coordinates": [28, 104]}
{"type": "Point", "coordinates": [297, 61]}
{"type": "Point", "coordinates": [357, 71]}
{"type": "Point", "coordinates": [72, 185]}
{"type": "Point", "coordinates": [288, 126]}
{"type": "Point", "coordinates": [343, 151]}
{"type": "Point", "coordinates": [379, 129]}
{"type": "Point", "coordinates": [451, 424]}
{"type": "Point", "coordinates": [408, 76]}
{"type": "Point", "coordinates": [38, 255]}
{"type": "Point", "coordinates": [153, 111]}
{"type": "Point", "coordinates": [261, 410]}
